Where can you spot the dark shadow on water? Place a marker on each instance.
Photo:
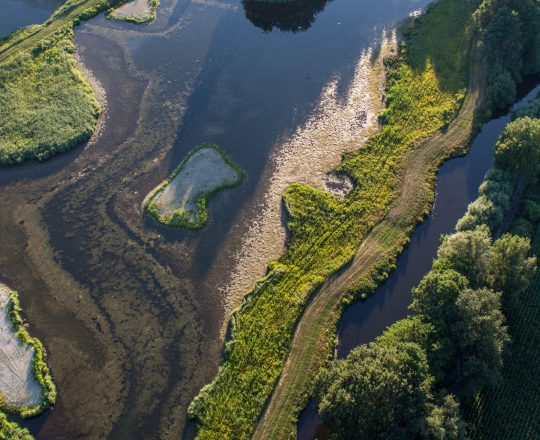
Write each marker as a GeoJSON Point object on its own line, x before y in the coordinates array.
{"type": "Point", "coordinates": [288, 16]}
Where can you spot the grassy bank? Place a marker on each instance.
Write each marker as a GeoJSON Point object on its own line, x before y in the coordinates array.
{"type": "Point", "coordinates": [197, 191]}
{"type": "Point", "coordinates": [326, 231]}
{"type": "Point", "coordinates": [46, 104]}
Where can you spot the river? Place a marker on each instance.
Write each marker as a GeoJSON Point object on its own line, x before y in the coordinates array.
{"type": "Point", "coordinates": [458, 181]}
{"type": "Point", "coordinates": [132, 314]}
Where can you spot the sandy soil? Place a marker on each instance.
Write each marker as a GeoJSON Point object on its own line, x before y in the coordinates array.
{"type": "Point", "coordinates": [337, 124]}
{"type": "Point", "coordinates": [203, 172]}
{"type": "Point", "coordinates": [137, 8]}
{"type": "Point", "coordinates": [17, 383]}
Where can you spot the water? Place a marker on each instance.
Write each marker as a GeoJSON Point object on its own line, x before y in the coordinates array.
{"type": "Point", "coordinates": [19, 13]}
{"type": "Point", "coordinates": [130, 313]}
{"type": "Point", "coordinates": [457, 186]}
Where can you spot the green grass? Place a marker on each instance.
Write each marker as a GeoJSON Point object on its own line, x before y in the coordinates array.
{"type": "Point", "coordinates": [512, 410]}
{"type": "Point", "coordinates": [179, 218]}
{"type": "Point", "coordinates": [326, 231]}
{"type": "Point", "coordinates": [12, 431]}
{"type": "Point", "coordinates": [46, 104]}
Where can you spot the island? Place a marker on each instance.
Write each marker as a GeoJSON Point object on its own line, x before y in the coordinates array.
{"type": "Point", "coordinates": [26, 386]}
{"type": "Point", "coordinates": [182, 200]}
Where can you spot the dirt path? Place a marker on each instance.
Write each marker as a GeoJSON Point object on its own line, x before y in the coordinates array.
{"type": "Point", "coordinates": [322, 312]}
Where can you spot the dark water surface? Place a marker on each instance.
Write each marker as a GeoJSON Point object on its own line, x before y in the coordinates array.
{"type": "Point", "coordinates": [19, 13]}
{"type": "Point", "coordinates": [128, 311]}
{"type": "Point", "coordinates": [457, 186]}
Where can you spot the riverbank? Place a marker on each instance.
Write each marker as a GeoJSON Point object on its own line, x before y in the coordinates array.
{"type": "Point", "coordinates": [326, 231]}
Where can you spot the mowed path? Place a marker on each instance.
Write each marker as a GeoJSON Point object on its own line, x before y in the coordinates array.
{"type": "Point", "coordinates": [307, 355]}
{"type": "Point", "coordinates": [32, 40]}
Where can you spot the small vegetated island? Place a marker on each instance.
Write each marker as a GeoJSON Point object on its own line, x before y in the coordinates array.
{"type": "Point", "coordinates": [136, 11]}
{"type": "Point", "coordinates": [182, 200]}
{"type": "Point", "coordinates": [26, 386]}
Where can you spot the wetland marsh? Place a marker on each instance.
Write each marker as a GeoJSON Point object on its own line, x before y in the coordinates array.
{"type": "Point", "coordinates": [133, 314]}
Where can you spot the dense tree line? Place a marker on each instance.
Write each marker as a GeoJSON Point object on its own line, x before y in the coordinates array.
{"type": "Point", "coordinates": [511, 36]}
{"type": "Point", "coordinates": [409, 383]}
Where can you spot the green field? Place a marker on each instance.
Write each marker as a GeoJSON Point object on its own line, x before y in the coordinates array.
{"type": "Point", "coordinates": [326, 231]}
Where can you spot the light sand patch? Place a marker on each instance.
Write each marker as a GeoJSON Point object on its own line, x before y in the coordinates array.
{"type": "Point", "coordinates": [18, 386]}
{"type": "Point", "coordinates": [337, 124]}
{"type": "Point", "coordinates": [184, 198]}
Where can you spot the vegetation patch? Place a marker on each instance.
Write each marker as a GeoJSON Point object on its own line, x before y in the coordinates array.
{"type": "Point", "coordinates": [182, 200]}
{"type": "Point", "coordinates": [136, 11]}
{"type": "Point", "coordinates": [512, 409]}
{"type": "Point", "coordinates": [26, 386]}
{"type": "Point", "coordinates": [46, 104]}
{"type": "Point", "coordinates": [458, 323]}
{"type": "Point", "coordinates": [326, 231]}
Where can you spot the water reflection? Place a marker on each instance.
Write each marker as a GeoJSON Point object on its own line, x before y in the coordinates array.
{"type": "Point", "coordinates": [291, 16]}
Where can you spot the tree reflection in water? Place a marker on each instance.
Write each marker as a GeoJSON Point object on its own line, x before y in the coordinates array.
{"type": "Point", "coordinates": [285, 15]}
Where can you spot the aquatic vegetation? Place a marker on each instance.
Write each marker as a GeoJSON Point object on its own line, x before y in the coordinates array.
{"type": "Point", "coordinates": [27, 387]}
{"type": "Point", "coordinates": [46, 104]}
{"type": "Point", "coordinates": [182, 200]}
{"type": "Point", "coordinates": [424, 95]}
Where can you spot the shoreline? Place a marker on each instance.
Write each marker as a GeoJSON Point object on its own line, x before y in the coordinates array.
{"type": "Point", "coordinates": [319, 144]}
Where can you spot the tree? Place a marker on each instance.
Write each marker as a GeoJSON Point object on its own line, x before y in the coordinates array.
{"type": "Point", "coordinates": [509, 267]}
{"type": "Point", "coordinates": [444, 421]}
{"type": "Point", "coordinates": [434, 303]}
{"type": "Point", "coordinates": [377, 392]}
{"type": "Point", "coordinates": [518, 148]}
{"type": "Point", "coordinates": [480, 336]}
{"type": "Point", "coordinates": [465, 253]}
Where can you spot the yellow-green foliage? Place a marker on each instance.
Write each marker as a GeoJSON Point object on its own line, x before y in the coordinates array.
{"type": "Point", "coordinates": [326, 230]}
{"type": "Point", "coordinates": [12, 431]}
{"type": "Point", "coordinates": [46, 105]}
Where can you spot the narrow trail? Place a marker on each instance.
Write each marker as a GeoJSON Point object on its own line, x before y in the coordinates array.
{"type": "Point", "coordinates": [420, 165]}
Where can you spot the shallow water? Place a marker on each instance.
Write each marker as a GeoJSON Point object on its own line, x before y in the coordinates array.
{"type": "Point", "coordinates": [457, 186]}
{"type": "Point", "coordinates": [130, 313]}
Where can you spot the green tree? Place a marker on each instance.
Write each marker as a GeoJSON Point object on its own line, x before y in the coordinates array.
{"type": "Point", "coordinates": [465, 252]}
{"type": "Point", "coordinates": [510, 268]}
{"type": "Point", "coordinates": [444, 421]}
{"type": "Point", "coordinates": [434, 303]}
{"type": "Point", "coordinates": [480, 336]}
{"type": "Point", "coordinates": [518, 148]}
{"type": "Point", "coordinates": [377, 392]}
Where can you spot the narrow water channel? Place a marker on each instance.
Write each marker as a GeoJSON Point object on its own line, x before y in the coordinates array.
{"type": "Point", "coordinates": [457, 186]}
